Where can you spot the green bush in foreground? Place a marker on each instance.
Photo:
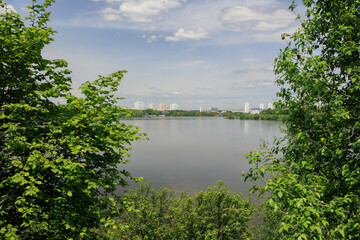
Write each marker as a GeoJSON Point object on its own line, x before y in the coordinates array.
{"type": "Point", "coordinates": [156, 214]}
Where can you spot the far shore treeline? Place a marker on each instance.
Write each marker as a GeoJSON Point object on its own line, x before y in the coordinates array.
{"type": "Point", "coordinates": [268, 114]}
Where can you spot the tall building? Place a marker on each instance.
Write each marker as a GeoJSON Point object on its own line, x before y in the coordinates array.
{"type": "Point", "coordinates": [270, 105]}
{"type": "Point", "coordinates": [262, 107]}
{"type": "Point", "coordinates": [139, 105]}
{"type": "Point", "coordinates": [151, 106]}
{"type": "Point", "coordinates": [174, 106]}
{"type": "Point", "coordinates": [162, 107]}
{"type": "Point", "coordinates": [247, 107]}
{"type": "Point", "coordinates": [214, 109]}
{"type": "Point", "coordinates": [255, 110]}
{"type": "Point", "coordinates": [201, 109]}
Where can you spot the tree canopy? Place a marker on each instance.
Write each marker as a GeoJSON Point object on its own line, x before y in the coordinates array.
{"type": "Point", "coordinates": [216, 213]}
{"type": "Point", "coordinates": [59, 163]}
{"type": "Point", "coordinates": [315, 186]}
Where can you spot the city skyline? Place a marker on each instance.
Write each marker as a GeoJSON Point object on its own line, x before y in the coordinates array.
{"type": "Point", "coordinates": [247, 107]}
{"type": "Point", "coordinates": [193, 52]}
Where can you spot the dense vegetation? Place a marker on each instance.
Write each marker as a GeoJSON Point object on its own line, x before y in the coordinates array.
{"type": "Point", "coordinates": [216, 213]}
{"type": "Point", "coordinates": [268, 114]}
{"type": "Point", "coordinates": [169, 113]}
{"type": "Point", "coordinates": [58, 163]}
{"type": "Point", "coordinates": [314, 188]}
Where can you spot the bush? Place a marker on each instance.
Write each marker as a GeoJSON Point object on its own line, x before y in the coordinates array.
{"type": "Point", "coordinates": [155, 214]}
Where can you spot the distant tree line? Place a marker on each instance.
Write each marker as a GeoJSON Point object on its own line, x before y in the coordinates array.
{"type": "Point", "coordinates": [133, 113]}
{"type": "Point", "coordinates": [268, 114]}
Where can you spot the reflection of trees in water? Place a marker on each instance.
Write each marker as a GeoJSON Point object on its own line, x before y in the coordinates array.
{"type": "Point", "coordinates": [161, 125]}
{"type": "Point", "coordinates": [246, 127]}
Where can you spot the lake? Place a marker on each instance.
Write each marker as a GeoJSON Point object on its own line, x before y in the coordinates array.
{"type": "Point", "coordinates": [193, 153]}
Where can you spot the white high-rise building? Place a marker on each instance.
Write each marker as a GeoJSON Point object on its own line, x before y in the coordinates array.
{"type": "Point", "coordinates": [270, 105]}
{"type": "Point", "coordinates": [151, 106]}
{"type": "Point", "coordinates": [174, 106]}
{"type": "Point", "coordinates": [202, 109]}
{"type": "Point", "coordinates": [162, 107]}
{"type": "Point", "coordinates": [139, 105]}
{"type": "Point", "coordinates": [262, 107]}
{"type": "Point", "coordinates": [247, 107]}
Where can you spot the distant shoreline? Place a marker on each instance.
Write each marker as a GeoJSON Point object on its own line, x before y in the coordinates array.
{"type": "Point", "coordinates": [268, 114]}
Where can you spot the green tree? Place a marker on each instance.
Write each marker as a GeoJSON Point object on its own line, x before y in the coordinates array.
{"type": "Point", "coordinates": [221, 214]}
{"type": "Point", "coordinates": [58, 162]}
{"type": "Point", "coordinates": [148, 214]}
{"type": "Point", "coordinates": [216, 213]}
{"type": "Point", "coordinates": [315, 187]}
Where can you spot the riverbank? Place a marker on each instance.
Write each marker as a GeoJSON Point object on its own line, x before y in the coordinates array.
{"type": "Point", "coordinates": [268, 114]}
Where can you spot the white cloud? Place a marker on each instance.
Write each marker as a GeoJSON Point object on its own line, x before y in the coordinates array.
{"type": "Point", "coordinates": [151, 28]}
{"type": "Point", "coordinates": [192, 63]}
{"type": "Point", "coordinates": [255, 69]}
{"type": "Point", "coordinates": [111, 14]}
{"type": "Point", "coordinates": [240, 18]}
{"type": "Point", "coordinates": [252, 84]}
{"type": "Point", "coordinates": [112, 1]}
{"type": "Point", "coordinates": [9, 7]}
{"type": "Point", "coordinates": [143, 11]}
{"type": "Point", "coordinates": [258, 83]}
{"type": "Point", "coordinates": [207, 88]}
{"type": "Point", "coordinates": [107, 1]}
{"type": "Point", "coordinates": [153, 38]}
{"type": "Point", "coordinates": [275, 36]}
{"type": "Point", "coordinates": [183, 35]}
{"type": "Point", "coordinates": [248, 59]}
{"type": "Point", "coordinates": [260, 18]}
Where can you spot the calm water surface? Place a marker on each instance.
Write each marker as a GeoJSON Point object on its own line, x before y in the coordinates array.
{"type": "Point", "coordinates": [193, 153]}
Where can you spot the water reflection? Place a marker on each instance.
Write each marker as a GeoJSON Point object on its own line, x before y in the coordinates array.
{"type": "Point", "coordinates": [192, 153]}
{"type": "Point", "coordinates": [246, 126]}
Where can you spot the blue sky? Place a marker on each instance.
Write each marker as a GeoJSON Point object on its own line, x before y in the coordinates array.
{"type": "Point", "coordinates": [211, 53]}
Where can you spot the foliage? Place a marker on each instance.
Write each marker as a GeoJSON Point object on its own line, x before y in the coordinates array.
{"type": "Point", "coordinates": [156, 214]}
{"type": "Point", "coordinates": [181, 113]}
{"type": "Point", "coordinates": [58, 162]}
{"type": "Point", "coordinates": [268, 114]}
{"type": "Point", "coordinates": [169, 113]}
{"type": "Point", "coordinates": [315, 186]}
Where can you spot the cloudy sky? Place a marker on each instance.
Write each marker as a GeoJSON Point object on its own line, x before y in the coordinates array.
{"type": "Point", "coordinates": [211, 53]}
